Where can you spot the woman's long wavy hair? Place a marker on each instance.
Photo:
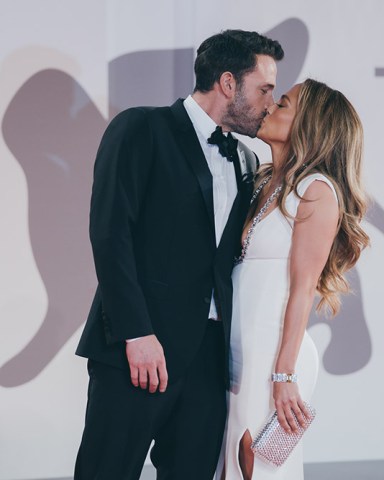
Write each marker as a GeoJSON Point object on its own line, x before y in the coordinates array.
{"type": "Point", "coordinates": [327, 137]}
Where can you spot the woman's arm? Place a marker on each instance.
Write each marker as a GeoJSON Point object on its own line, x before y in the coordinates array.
{"type": "Point", "coordinates": [311, 243]}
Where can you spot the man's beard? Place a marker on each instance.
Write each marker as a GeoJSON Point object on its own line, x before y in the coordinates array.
{"type": "Point", "coordinates": [241, 117]}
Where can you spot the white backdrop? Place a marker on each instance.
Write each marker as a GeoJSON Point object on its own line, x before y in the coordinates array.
{"type": "Point", "coordinates": [43, 390]}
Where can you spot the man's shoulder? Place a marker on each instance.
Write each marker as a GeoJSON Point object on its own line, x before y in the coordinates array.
{"type": "Point", "coordinates": [137, 113]}
{"type": "Point", "coordinates": [140, 115]}
{"type": "Point", "coordinates": [151, 111]}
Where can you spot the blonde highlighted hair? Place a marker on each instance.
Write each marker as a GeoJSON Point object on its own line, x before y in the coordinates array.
{"type": "Point", "coordinates": [327, 137]}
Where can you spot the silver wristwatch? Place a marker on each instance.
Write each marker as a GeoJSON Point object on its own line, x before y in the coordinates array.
{"type": "Point", "coordinates": [284, 377]}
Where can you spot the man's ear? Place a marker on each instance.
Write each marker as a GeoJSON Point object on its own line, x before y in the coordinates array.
{"type": "Point", "coordinates": [227, 84]}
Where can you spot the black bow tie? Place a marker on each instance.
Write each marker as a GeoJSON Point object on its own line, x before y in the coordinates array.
{"type": "Point", "coordinates": [227, 144]}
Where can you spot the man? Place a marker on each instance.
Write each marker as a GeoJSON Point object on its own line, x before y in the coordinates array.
{"type": "Point", "coordinates": [168, 205]}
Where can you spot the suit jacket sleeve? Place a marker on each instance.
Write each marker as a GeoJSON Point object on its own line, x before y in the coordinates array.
{"type": "Point", "coordinates": [121, 177]}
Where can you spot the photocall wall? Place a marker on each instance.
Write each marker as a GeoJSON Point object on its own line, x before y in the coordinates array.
{"type": "Point", "coordinates": [66, 68]}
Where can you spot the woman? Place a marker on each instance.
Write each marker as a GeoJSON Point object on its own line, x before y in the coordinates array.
{"type": "Point", "coordinates": [302, 234]}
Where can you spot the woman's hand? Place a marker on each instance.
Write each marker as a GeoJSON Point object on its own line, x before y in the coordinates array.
{"type": "Point", "coordinates": [289, 405]}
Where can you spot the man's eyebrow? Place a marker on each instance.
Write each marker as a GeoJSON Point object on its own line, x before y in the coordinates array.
{"type": "Point", "coordinates": [269, 85]}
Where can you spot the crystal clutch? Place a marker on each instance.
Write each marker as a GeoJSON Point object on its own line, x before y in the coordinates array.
{"type": "Point", "coordinates": [273, 444]}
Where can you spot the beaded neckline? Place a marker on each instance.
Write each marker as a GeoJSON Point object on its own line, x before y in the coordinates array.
{"type": "Point", "coordinates": [258, 217]}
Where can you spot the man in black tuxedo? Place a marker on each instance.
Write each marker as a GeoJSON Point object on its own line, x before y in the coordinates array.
{"type": "Point", "coordinates": [168, 205]}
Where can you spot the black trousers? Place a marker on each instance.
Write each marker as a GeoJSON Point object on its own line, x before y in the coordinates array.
{"type": "Point", "coordinates": [186, 422]}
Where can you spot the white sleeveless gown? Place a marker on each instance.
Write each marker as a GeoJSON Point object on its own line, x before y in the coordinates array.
{"type": "Point", "coordinates": [260, 294]}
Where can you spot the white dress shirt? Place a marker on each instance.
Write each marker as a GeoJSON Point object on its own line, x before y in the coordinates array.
{"type": "Point", "coordinates": [223, 173]}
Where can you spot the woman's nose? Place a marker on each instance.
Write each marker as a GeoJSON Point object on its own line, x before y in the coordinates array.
{"type": "Point", "coordinates": [269, 102]}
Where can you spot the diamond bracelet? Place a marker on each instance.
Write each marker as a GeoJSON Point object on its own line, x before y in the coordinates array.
{"type": "Point", "coordinates": [284, 377]}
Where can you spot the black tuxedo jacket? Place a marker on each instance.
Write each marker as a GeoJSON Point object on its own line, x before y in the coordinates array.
{"type": "Point", "coordinates": [153, 238]}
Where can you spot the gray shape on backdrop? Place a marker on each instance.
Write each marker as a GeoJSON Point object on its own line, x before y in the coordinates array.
{"type": "Point", "coordinates": [53, 129]}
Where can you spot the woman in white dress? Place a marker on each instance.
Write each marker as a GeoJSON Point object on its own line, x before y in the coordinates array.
{"type": "Point", "coordinates": [301, 235]}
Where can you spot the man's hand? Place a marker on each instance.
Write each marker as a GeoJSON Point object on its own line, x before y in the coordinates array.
{"type": "Point", "coordinates": [147, 363]}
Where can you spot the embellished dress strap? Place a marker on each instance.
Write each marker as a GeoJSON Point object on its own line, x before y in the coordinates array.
{"type": "Point", "coordinates": [257, 218]}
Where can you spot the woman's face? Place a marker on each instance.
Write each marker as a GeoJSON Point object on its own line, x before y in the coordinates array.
{"type": "Point", "coordinates": [276, 126]}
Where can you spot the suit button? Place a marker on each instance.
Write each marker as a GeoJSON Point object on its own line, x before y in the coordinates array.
{"type": "Point", "coordinates": [207, 300]}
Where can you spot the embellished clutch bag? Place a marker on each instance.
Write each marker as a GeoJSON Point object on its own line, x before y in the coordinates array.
{"type": "Point", "coordinates": [273, 444]}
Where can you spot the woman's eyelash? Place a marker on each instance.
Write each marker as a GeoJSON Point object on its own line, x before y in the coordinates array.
{"type": "Point", "coordinates": [279, 105]}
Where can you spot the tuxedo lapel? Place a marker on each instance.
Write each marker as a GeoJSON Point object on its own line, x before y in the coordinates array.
{"type": "Point", "coordinates": [190, 146]}
{"type": "Point", "coordinates": [236, 211]}
{"type": "Point", "coordinates": [247, 164]}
